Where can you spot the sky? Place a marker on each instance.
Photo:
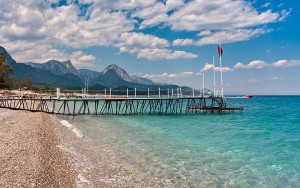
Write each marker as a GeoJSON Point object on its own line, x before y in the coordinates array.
{"type": "Point", "coordinates": [167, 41]}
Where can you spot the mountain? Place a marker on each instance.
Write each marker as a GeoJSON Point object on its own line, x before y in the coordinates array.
{"type": "Point", "coordinates": [40, 76]}
{"type": "Point", "coordinates": [64, 74]}
{"type": "Point", "coordinates": [8, 59]}
{"type": "Point", "coordinates": [111, 77]}
{"type": "Point", "coordinates": [141, 80]}
{"type": "Point", "coordinates": [85, 73]}
{"type": "Point", "coordinates": [119, 71]}
{"type": "Point", "coordinates": [115, 77]}
{"type": "Point", "coordinates": [57, 67]}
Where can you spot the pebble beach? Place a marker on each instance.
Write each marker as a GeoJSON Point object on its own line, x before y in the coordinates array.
{"type": "Point", "coordinates": [41, 150]}
{"type": "Point", "coordinates": [29, 156]}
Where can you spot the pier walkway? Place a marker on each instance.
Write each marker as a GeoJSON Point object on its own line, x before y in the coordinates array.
{"type": "Point", "coordinates": [124, 106]}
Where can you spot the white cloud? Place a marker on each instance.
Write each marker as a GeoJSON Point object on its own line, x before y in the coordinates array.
{"type": "Point", "coordinates": [159, 54]}
{"type": "Point", "coordinates": [140, 40]}
{"type": "Point", "coordinates": [199, 15]}
{"type": "Point", "coordinates": [35, 31]}
{"type": "Point", "coordinates": [204, 33]}
{"type": "Point", "coordinates": [122, 4]}
{"type": "Point", "coordinates": [219, 15]}
{"type": "Point", "coordinates": [81, 60]}
{"type": "Point", "coordinates": [266, 5]}
{"type": "Point", "coordinates": [39, 52]}
{"type": "Point", "coordinates": [257, 64]}
{"type": "Point", "coordinates": [102, 28]}
{"type": "Point", "coordinates": [210, 67]}
{"type": "Point", "coordinates": [106, 22]}
{"type": "Point", "coordinates": [253, 80]}
{"type": "Point", "coordinates": [149, 47]}
{"type": "Point", "coordinates": [167, 76]}
{"type": "Point", "coordinates": [224, 37]}
{"type": "Point", "coordinates": [83, 1]}
{"type": "Point", "coordinates": [286, 63]}
{"type": "Point", "coordinates": [183, 42]}
{"type": "Point", "coordinates": [150, 12]}
{"type": "Point", "coordinates": [230, 36]}
{"type": "Point", "coordinates": [27, 52]}
{"type": "Point", "coordinates": [174, 4]}
{"type": "Point", "coordinates": [153, 21]}
{"type": "Point", "coordinates": [284, 15]}
{"type": "Point", "coordinates": [276, 78]}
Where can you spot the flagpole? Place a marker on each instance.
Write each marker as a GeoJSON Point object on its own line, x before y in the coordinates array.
{"type": "Point", "coordinates": [214, 76]}
{"type": "Point", "coordinates": [222, 92]}
{"type": "Point", "coordinates": [203, 84]}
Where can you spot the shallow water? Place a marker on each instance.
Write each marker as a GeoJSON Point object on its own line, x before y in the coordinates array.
{"type": "Point", "coordinates": [259, 147]}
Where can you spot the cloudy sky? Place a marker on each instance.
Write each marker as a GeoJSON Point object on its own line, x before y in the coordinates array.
{"type": "Point", "coordinates": [168, 41]}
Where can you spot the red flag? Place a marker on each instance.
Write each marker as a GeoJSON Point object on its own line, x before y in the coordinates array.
{"type": "Point", "coordinates": [220, 50]}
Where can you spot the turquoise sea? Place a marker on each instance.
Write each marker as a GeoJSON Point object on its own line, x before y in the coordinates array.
{"type": "Point", "coordinates": [259, 147]}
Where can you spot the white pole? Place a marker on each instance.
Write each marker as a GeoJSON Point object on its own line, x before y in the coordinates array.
{"type": "Point", "coordinates": [203, 85]}
{"type": "Point", "coordinates": [168, 92]}
{"type": "Point", "coordinates": [134, 92]}
{"type": "Point", "coordinates": [58, 93]}
{"type": "Point", "coordinates": [172, 92]}
{"type": "Point", "coordinates": [87, 86]}
{"type": "Point", "coordinates": [109, 92]}
{"type": "Point", "coordinates": [177, 92]}
{"type": "Point", "coordinates": [180, 92]}
{"type": "Point", "coordinates": [105, 93]}
{"type": "Point", "coordinates": [127, 92]}
{"type": "Point", "coordinates": [214, 76]}
{"type": "Point", "coordinates": [148, 92]}
{"type": "Point", "coordinates": [193, 93]}
{"type": "Point", "coordinates": [158, 92]}
{"type": "Point", "coordinates": [222, 92]}
{"type": "Point", "coordinates": [84, 86]}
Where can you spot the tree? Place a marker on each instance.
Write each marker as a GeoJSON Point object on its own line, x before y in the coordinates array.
{"type": "Point", "coordinates": [5, 71]}
{"type": "Point", "coordinates": [23, 83]}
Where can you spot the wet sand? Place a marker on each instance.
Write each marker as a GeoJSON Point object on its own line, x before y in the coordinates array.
{"type": "Point", "coordinates": [29, 152]}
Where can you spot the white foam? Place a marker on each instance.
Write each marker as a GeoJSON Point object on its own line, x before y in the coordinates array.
{"type": "Point", "coordinates": [82, 164]}
{"type": "Point", "coordinates": [66, 124]}
{"type": "Point", "coordinates": [75, 130]}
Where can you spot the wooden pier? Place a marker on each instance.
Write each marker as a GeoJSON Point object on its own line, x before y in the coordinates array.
{"type": "Point", "coordinates": [119, 106]}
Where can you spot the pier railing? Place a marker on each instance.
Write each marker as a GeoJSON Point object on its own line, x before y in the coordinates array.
{"type": "Point", "coordinates": [119, 105]}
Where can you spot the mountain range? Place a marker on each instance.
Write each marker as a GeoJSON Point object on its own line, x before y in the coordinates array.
{"type": "Point", "coordinates": [64, 74]}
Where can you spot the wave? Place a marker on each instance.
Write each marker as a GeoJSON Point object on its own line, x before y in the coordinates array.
{"type": "Point", "coordinates": [75, 130]}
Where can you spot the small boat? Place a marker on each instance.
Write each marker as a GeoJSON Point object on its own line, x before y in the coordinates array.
{"type": "Point", "coordinates": [248, 96]}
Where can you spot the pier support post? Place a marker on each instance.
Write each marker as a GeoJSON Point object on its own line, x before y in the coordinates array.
{"type": "Point", "coordinates": [148, 92]}
{"type": "Point", "coordinates": [105, 93]}
{"type": "Point", "coordinates": [135, 93]}
{"type": "Point", "coordinates": [109, 92]}
{"type": "Point", "coordinates": [158, 92]}
{"type": "Point", "coordinates": [127, 92]}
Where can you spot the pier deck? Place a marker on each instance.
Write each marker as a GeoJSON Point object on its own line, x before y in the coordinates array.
{"type": "Point", "coordinates": [119, 105]}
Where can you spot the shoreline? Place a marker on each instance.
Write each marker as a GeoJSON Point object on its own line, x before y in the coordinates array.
{"type": "Point", "coordinates": [30, 156]}
{"type": "Point", "coordinates": [38, 150]}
